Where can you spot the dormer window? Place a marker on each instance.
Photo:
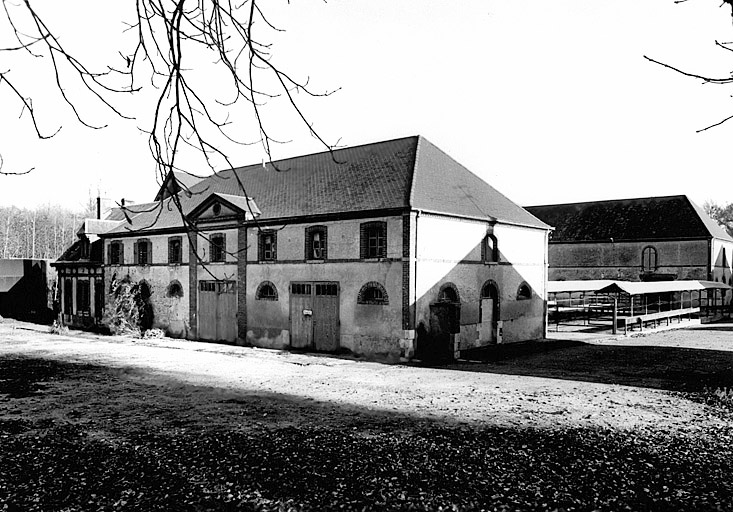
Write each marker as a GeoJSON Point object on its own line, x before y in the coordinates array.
{"type": "Point", "coordinates": [490, 249]}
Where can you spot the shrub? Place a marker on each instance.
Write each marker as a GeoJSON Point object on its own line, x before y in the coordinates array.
{"type": "Point", "coordinates": [130, 312]}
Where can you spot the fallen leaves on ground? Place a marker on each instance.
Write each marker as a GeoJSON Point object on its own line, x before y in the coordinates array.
{"type": "Point", "coordinates": [67, 463]}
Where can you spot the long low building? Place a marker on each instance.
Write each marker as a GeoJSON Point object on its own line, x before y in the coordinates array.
{"type": "Point", "coordinates": [641, 239]}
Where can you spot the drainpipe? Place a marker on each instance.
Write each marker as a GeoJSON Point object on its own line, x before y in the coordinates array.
{"type": "Point", "coordinates": [414, 270]}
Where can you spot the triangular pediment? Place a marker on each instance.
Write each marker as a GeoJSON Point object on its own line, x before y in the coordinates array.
{"type": "Point", "coordinates": [225, 206]}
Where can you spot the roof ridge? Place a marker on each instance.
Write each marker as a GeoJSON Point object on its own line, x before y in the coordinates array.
{"type": "Point", "coordinates": [671, 196]}
{"type": "Point", "coordinates": [317, 153]}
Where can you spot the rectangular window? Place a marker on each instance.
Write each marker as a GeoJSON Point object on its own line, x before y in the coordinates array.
{"type": "Point", "coordinates": [175, 251]}
{"type": "Point", "coordinates": [115, 253]}
{"type": "Point", "coordinates": [316, 247]}
{"type": "Point", "coordinates": [373, 240]}
{"type": "Point", "coordinates": [68, 297]}
{"type": "Point", "coordinates": [143, 252]}
{"type": "Point", "coordinates": [217, 248]}
{"type": "Point", "coordinates": [82, 296]}
{"type": "Point", "coordinates": [98, 297]}
{"type": "Point", "coordinates": [268, 245]}
{"type": "Point", "coordinates": [300, 288]}
{"type": "Point", "coordinates": [327, 289]}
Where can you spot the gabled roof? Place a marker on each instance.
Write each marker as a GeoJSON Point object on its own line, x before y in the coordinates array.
{"type": "Point", "coordinates": [646, 218]}
{"type": "Point", "coordinates": [395, 175]}
{"type": "Point", "coordinates": [174, 182]}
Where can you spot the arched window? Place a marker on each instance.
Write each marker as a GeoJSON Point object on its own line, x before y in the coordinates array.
{"type": "Point", "coordinates": [490, 249]}
{"type": "Point", "coordinates": [174, 289]}
{"type": "Point", "coordinates": [649, 259]}
{"type": "Point", "coordinates": [373, 293]}
{"type": "Point", "coordinates": [145, 291]}
{"type": "Point", "coordinates": [449, 293]}
{"type": "Point", "coordinates": [489, 290]}
{"type": "Point", "coordinates": [524, 292]}
{"type": "Point", "coordinates": [266, 291]}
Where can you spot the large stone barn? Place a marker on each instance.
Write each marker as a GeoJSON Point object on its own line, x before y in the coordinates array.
{"type": "Point", "coordinates": [644, 239]}
{"type": "Point", "coordinates": [391, 249]}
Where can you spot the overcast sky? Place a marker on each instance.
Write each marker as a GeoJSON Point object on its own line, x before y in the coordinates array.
{"type": "Point", "coordinates": [547, 101]}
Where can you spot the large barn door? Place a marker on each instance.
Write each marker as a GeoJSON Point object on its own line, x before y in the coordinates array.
{"type": "Point", "coordinates": [217, 315]}
{"type": "Point", "coordinates": [301, 315]}
{"type": "Point", "coordinates": [326, 317]}
{"type": "Point", "coordinates": [314, 316]}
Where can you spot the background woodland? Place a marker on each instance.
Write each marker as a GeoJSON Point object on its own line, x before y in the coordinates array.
{"type": "Point", "coordinates": [41, 232]}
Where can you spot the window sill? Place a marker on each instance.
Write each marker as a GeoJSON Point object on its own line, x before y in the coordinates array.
{"type": "Point", "coordinates": [315, 261]}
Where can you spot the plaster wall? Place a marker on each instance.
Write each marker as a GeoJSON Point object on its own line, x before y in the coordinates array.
{"type": "Point", "coordinates": [343, 239]}
{"type": "Point", "coordinates": [449, 251]}
{"type": "Point", "coordinates": [364, 329]}
{"type": "Point", "coordinates": [687, 259]}
{"type": "Point", "coordinates": [170, 313]}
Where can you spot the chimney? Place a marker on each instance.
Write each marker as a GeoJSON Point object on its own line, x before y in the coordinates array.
{"type": "Point", "coordinates": [104, 205]}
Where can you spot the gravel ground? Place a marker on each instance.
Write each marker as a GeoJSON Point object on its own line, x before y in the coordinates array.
{"type": "Point", "coordinates": [111, 423]}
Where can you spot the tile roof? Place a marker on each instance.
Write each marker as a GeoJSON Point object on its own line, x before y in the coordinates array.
{"type": "Point", "coordinates": [647, 218]}
{"type": "Point", "coordinates": [396, 174]}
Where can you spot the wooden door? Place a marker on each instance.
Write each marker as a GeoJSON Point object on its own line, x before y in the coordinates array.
{"type": "Point", "coordinates": [486, 331]}
{"type": "Point", "coordinates": [314, 316]}
{"type": "Point", "coordinates": [226, 311]}
{"type": "Point", "coordinates": [301, 315]}
{"type": "Point", "coordinates": [326, 317]}
{"type": "Point", "coordinates": [217, 311]}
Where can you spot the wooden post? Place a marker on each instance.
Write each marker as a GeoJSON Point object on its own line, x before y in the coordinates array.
{"type": "Point", "coordinates": [615, 315]}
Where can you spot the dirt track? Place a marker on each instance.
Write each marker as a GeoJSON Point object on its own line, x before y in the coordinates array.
{"type": "Point", "coordinates": [574, 385]}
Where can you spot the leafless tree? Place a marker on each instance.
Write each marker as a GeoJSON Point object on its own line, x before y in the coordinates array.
{"type": "Point", "coordinates": [180, 48]}
{"type": "Point", "coordinates": [727, 46]}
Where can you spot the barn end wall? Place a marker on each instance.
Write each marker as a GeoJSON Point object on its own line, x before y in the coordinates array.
{"type": "Point", "coordinates": [449, 251]}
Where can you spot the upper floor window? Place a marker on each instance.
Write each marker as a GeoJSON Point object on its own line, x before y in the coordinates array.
{"type": "Point", "coordinates": [373, 242]}
{"type": "Point", "coordinates": [524, 292]}
{"type": "Point", "coordinates": [490, 249]}
{"type": "Point", "coordinates": [143, 250]}
{"type": "Point", "coordinates": [217, 247]}
{"type": "Point", "coordinates": [115, 254]}
{"type": "Point", "coordinates": [175, 250]}
{"type": "Point", "coordinates": [316, 243]}
{"type": "Point", "coordinates": [267, 245]}
{"type": "Point", "coordinates": [649, 259]}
